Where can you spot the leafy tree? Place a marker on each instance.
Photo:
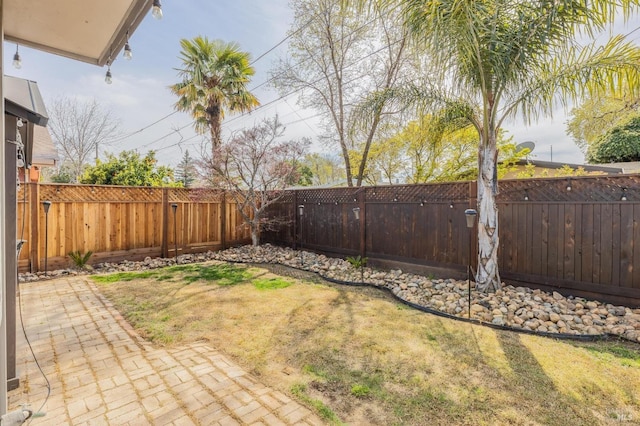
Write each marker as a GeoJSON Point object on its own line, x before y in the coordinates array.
{"type": "Point", "coordinates": [214, 79]}
{"type": "Point", "coordinates": [336, 59]}
{"type": "Point", "coordinates": [60, 174]}
{"type": "Point", "coordinates": [595, 116]}
{"type": "Point", "coordinates": [255, 167]}
{"type": "Point", "coordinates": [78, 129]}
{"type": "Point", "coordinates": [303, 176]}
{"type": "Point", "coordinates": [186, 171]}
{"type": "Point", "coordinates": [325, 169]}
{"type": "Point", "coordinates": [619, 144]}
{"type": "Point", "coordinates": [129, 169]}
{"type": "Point", "coordinates": [493, 59]}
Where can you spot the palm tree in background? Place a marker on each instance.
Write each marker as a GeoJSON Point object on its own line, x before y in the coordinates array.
{"type": "Point", "coordinates": [495, 59]}
{"type": "Point", "coordinates": [214, 79]}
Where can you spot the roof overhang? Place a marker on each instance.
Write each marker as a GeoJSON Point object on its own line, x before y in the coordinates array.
{"type": "Point", "coordinates": [92, 31]}
{"type": "Point", "coordinates": [22, 99]}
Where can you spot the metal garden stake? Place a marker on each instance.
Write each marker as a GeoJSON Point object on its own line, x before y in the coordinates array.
{"type": "Point", "coordinates": [471, 220]}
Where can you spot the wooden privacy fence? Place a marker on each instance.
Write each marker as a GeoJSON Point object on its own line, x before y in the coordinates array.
{"type": "Point", "coordinates": [574, 234]}
{"type": "Point", "coordinates": [117, 223]}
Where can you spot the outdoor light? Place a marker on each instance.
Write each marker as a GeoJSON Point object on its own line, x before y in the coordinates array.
{"type": "Point", "coordinates": [471, 220]}
{"type": "Point", "coordinates": [356, 212]}
{"type": "Point", "coordinates": [624, 194]}
{"type": "Point", "coordinates": [450, 205]}
{"type": "Point", "coordinates": [526, 195]}
{"type": "Point", "coordinates": [128, 53]}
{"type": "Point", "coordinates": [569, 184]}
{"type": "Point", "coordinates": [156, 10]}
{"type": "Point", "coordinates": [19, 158]}
{"type": "Point", "coordinates": [301, 210]}
{"type": "Point", "coordinates": [421, 203]}
{"type": "Point", "coordinates": [107, 77]}
{"type": "Point", "coordinates": [471, 217]}
{"type": "Point", "coordinates": [17, 62]}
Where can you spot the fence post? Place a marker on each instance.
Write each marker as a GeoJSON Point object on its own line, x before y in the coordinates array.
{"type": "Point", "coordinates": [165, 222]}
{"type": "Point", "coordinates": [34, 237]}
{"type": "Point", "coordinates": [223, 220]}
{"type": "Point", "coordinates": [363, 222]}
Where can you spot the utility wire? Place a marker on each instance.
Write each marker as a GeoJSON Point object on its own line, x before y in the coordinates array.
{"type": "Point", "coordinates": [307, 85]}
{"type": "Point", "coordinates": [143, 128]}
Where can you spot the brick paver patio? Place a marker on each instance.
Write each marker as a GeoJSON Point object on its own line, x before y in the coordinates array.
{"type": "Point", "coordinates": [103, 373]}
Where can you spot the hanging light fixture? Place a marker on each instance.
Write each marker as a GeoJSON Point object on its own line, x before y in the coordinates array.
{"type": "Point", "coordinates": [128, 53]}
{"type": "Point", "coordinates": [17, 61]}
{"type": "Point", "coordinates": [156, 10]}
{"type": "Point", "coordinates": [108, 78]}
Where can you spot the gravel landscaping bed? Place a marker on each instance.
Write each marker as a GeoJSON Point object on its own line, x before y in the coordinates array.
{"type": "Point", "coordinates": [519, 308]}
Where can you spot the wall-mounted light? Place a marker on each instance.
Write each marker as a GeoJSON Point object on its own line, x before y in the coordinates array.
{"type": "Point", "coordinates": [471, 217]}
{"type": "Point", "coordinates": [108, 78]}
{"type": "Point", "coordinates": [356, 212]}
{"type": "Point", "coordinates": [526, 195]}
{"type": "Point", "coordinates": [569, 188]}
{"type": "Point", "coordinates": [301, 210]}
{"type": "Point", "coordinates": [450, 205]}
{"type": "Point", "coordinates": [17, 61]}
{"type": "Point", "coordinates": [156, 10]}
{"type": "Point", "coordinates": [395, 198]}
{"type": "Point", "coordinates": [128, 53]}
{"type": "Point", "coordinates": [421, 203]}
{"type": "Point", "coordinates": [624, 194]}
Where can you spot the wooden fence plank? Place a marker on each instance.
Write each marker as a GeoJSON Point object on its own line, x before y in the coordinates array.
{"type": "Point", "coordinates": [606, 242]}
{"type": "Point", "coordinates": [626, 245]}
{"type": "Point", "coordinates": [569, 242]}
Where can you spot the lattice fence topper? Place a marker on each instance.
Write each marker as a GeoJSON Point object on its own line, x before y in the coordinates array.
{"type": "Point", "coordinates": [97, 193]}
{"type": "Point", "coordinates": [21, 193]}
{"type": "Point", "coordinates": [195, 195]}
{"type": "Point", "coordinates": [572, 189]}
{"type": "Point", "coordinates": [328, 196]}
{"type": "Point", "coordinates": [420, 193]}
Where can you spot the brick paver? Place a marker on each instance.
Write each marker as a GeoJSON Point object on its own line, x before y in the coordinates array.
{"type": "Point", "coordinates": [102, 372]}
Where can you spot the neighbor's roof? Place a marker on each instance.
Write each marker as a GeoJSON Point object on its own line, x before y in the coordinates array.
{"type": "Point", "coordinates": [22, 99]}
{"type": "Point", "coordinates": [87, 30]}
{"type": "Point", "coordinates": [44, 151]}
{"type": "Point", "coordinates": [586, 167]}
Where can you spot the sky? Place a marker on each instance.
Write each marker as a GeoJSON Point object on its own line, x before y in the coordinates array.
{"type": "Point", "coordinates": [139, 95]}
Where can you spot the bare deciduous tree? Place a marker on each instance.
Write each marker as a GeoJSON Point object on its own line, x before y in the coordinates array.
{"type": "Point", "coordinates": [79, 128]}
{"type": "Point", "coordinates": [337, 58]}
{"type": "Point", "coordinates": [254, 167]}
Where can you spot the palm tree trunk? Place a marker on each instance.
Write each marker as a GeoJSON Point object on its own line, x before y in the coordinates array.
{"type": "Point", "coordinates": [488, 277]}
{"type": "Point", "coordinates": [215, 125]}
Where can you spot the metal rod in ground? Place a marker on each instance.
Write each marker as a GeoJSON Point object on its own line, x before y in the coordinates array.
{"type": "Point", "coordinates": [469, 290]}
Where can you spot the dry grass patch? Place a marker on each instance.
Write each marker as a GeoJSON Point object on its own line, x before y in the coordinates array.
{"type": "Point", "coordinates": [359, 357]}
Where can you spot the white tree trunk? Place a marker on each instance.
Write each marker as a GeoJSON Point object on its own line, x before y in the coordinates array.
{"type": "Point", "coordinates": [487, 277]}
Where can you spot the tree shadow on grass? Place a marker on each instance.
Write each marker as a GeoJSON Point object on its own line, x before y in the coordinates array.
{"type": "Point", "coordinates": [541, 399]}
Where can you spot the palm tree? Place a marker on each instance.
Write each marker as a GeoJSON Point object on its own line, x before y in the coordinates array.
{"type": "Point", "coordinates": [495, 59]}
{"type": "Point", "coordinates": [214, 78]}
